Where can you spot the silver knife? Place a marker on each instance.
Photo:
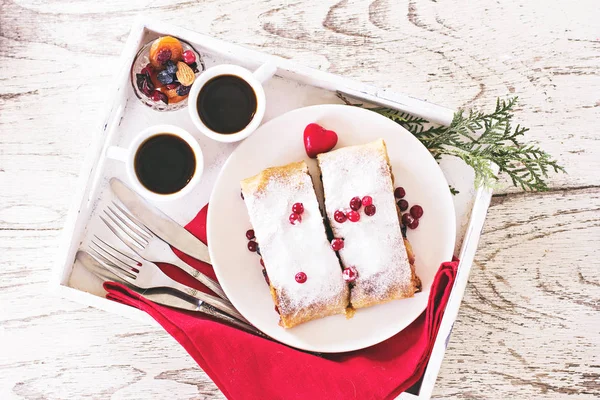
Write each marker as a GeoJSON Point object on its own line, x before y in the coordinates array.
{"type": "Point", "coordinates": [165, 296]}
{"type": "Point", "coordinates": [159, 223]}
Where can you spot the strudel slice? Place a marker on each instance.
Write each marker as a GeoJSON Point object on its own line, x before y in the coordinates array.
{"type": "Point", "coordinates": [373, 244]}
{"type": "Point", "coordinates": [304, 273]}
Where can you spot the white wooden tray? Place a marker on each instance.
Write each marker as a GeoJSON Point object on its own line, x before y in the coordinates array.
{"type": "Point", "coordinates": [294, 86]}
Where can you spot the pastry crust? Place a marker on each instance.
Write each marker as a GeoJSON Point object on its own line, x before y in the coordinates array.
{"type": "Point", "coordinates": [373, 245]}
{"type": "Point", "coordinates": [288, 249]}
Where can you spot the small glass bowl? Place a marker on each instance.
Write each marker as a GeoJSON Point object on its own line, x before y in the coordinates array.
{"type": "Point", "coordinates": [142, 59]}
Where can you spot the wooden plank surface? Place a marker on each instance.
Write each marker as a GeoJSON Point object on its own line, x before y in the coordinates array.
{"type": "Point", "coordinates": [529, 326]}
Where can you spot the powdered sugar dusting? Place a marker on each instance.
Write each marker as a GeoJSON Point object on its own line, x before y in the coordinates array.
{"type": "Point", "coordinates": [288, 249]}
{"type": "Point", "coordinates": [373, 245]}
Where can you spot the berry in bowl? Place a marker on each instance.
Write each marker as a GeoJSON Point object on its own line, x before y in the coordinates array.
{"type": "Point", "coordinates": [163, 73]}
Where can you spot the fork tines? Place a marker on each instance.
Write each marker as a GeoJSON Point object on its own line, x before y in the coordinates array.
{"type": "Point", "coordinates": [120, 263]}
{"type": "Point", "coordinates": [126, 227]}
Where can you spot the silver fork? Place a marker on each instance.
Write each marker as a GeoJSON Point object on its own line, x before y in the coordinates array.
{"type": "Point", "coordinates": [162, 296]}
{"type": "Point", "coordinates": [149, 246]}
{"type": "Point", "coordinates": [146, 275]}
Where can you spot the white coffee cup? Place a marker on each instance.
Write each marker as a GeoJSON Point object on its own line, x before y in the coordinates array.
{"type": "Point", "coordinates": [254, 79]}
{"type": "Point", "coordinates": [127, 156]}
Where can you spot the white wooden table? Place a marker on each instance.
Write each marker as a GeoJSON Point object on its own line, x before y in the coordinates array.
{"type": "Point", "coordinates": [529, 326]}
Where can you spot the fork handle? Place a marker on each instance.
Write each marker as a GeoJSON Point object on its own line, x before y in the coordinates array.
{"type": "Point", "coordinates": [199, 276]}
{"type": "Point", "coordinates": [210, 310]}
{"type": "Point", "coordinates": [218, 303]}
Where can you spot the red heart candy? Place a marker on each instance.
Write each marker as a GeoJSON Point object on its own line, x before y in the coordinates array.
{"type": "Point", "coordinates": [318, 140]}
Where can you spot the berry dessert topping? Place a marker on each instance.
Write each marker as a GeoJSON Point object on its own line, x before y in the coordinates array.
{"type": "Point", "coordinates": [353, 216]}
{"type": "Point", "coordinates": [340, 216]}
{"type": "Point", "coordinates": [298, 208]}
{"type": "Point", "coordinates": [318, 140]}
{"type": "Point", "coordinates": [370, 210]}
{"type": "Point", "coordinates": [337, 244]}
{"type": "Point", "coordinates": [399, 192]}
{"type": "Point", "coordinates": [189, 57]}
{"type": "Point", "coordinates": [172, 86]}
{"type": "Point", "coordinates": [350, 274]}
{"type": "Point", "coordinates": [355, 203]}
{"type": "Point", "coordinates": [416, 211]}
{"type": "Point", "coordinates": [414, 224]}
{"type": "Point", "coordinates": [266, 277]}
{"type": "Point", "coordinates": [262, 262]}
{"type": "Point", "coordinates": [403, 204]}
{"type": "Point", "coordinates": [367, 201]}
{"type": "Point", "coordinates": [252, 246]}
{"type": "Point", "coordinates": [300, 277]}
{"type": "Point", "coordinates": [250, 234]}
{"type": "Point", "coordinates": [407, 219]}
{"type": "Point", "coordinates": [295, 219]}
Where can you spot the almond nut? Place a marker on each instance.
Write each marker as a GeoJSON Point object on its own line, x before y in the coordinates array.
{"type": "Point", "coordinates": [185, 74]}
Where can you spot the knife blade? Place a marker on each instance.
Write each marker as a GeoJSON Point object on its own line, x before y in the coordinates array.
{"type": "Point", "coordinates": [160, 223]}
{"type": "Point", "coordinates": [164, 296]}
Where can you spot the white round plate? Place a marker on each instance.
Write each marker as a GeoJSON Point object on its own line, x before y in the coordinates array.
{"type": "Point", "coordinates": [279, 142]}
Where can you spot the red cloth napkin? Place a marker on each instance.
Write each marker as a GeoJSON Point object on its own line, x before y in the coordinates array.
{"type": "Point", "coordinates": [246, 367]}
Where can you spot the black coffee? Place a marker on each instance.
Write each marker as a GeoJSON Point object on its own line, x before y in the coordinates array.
{"type": "Point", "coordinates": [226, 104]}
{"type": "Point", "coordinates": [165, 163]}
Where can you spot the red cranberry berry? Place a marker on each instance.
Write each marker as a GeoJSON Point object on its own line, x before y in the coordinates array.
{"type": "Point", "coordinates": [262, 262]}
{"type": "Point", "coordinates": [300, 277]}
{"type": "Point", "coordinates": [416, 211]}
{"type": "Point", "coordinates": [163, 56]}
{"type": "Point", "coordinates": [188, 57]}
{"type": "Point", "coordinates": [414, 224]}
{"type": "Point", "coordinates": [147, 70]}
{"type": "Point", "coordinates": [370, 210]}
{"type": "Point", "coordinates": [298, 208]}
{"type": "Point", "coordinates": [156, 95]}
{"type": "Point", "coordinates": [337, 244]}
{"type": "Point", "coordinates": [353, 216]}
{"type": "Point", "coordinates": [355, 203]}
{"type": "Point", "coordinates": [295, 219]}
{"type": "Point", "coordinates": [250, 234]}
{"type": "Point", "coordinates": [252, 246]}
{"type": "Point", "coordinates": [266, 277]}
{"type": "Point", "coordinates": [350, 274]}
{"type": "Point", "coordinates": [399, 192]}
{"type": "Point", "coordinates": [276, 309]}
{"type": "Point", "coordinates": [159, 96]}
{"type": "Point", "coordinates": [407, 219]}
{"type": "Point", "coordinates": [403, 204]}
{"type": "Point", "coordinates": [367, 201]}
{"type": "Point", "coordinates": [339, 216]}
